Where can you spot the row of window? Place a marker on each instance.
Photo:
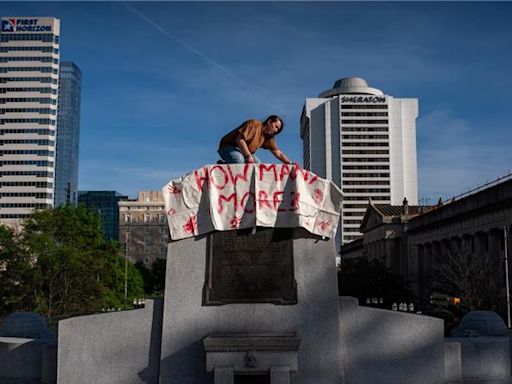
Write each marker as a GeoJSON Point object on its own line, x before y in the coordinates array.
{"type": "Point", "coordinates": [24, 205]}
{"type": "Point", "coordinates": [30, 89]}
{"type": "Point", "coordinates": [41, 111]}
{"type": "Point", "coordinates": [40, 79]}
{"type": "Point", "coordinates": [14, 215]}
{"type": "Point", "coordinates": [147, 219]}
{"type": "Point", "coordinates": [367, 137]}
{"type": "Point", "coordinates": [364, 129]}
{"type": "Point", "coordinates": [29, 69]}
{"type": "Point", "coordinates": [384, 182]}
{"type": "Point", "coordinates": [39, 131]}
{"type": "Point", "coordinates": [368, 160]}
{"type": "Point", "coordinates": [27, 152]}
{"type": "Point", "coordinates": [27, 173]}
{"type": "Point", "coordinates": [42, 59]}
{"type": "Point", "coordinates": [364, 114]}
{"type": "Point", "coordinates": [366, 175]}
{"type": "Point", "coordinates": [351, 230]}
{"type": "Point", "coordinates": [44, 37]}
{"type": "Point", "coordinates": [356, 151]}
{"type": "Point", "coordinates": [368, 190]}
{"type": "Point", "coordinates": [351, 221]}
{"type": "Point", "coordinates": [372, 106]}
{"type": "Point", "coordinates": [38, 163]}
{"type": "Point", "coordinates": [41, 100]}
{"type": "Point", "coordinates": [150, 239]}
{"type": "Point", "coordinates": [26, 49]}
{"type": "Point", "coordinates": [37, 195]}
{"type": "Point", "coordinates": [352, 214]}
{"type": "Point", "coordinates": [384, 199]}
{"type": "Point", "coordinates": [355, 206]}
{"type": "Point", "coordinates": [142, 207]}
{"type": "Point", "coordinates": [344, 121]}
{"type": "Point", "coordinates": [363, 144]}
{"type": "Point", "coordinates": [38, 121]}
{"type": "Point", "coordinates": [28, 141]}
{"type": "Point", "coordinates": [37, 184]}
{"type": "Point", "coordinates": [361, 167]}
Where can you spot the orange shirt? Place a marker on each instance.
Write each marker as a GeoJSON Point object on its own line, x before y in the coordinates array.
{"type": "Point", "coordinates": [252, 133]}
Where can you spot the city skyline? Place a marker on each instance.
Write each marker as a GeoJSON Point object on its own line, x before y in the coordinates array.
{"type": "Point", "coordinates": [156, 76]}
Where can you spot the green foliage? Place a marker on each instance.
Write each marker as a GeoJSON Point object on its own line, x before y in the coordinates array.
{"type": "Point", "coordinates": [61, 265]}
{"type": "Point", "coordinates": [154, 277]}
{"type": "Point", "coordinates": [114, 279]}
{"type": "Point", "coordinates": [146, 275]}
{"type": "Point", "coordinates": [362, 279]}
{"type": "Point", "coordinates": [16, 273]}
{"type": "Point", "coordinates": [158, 273]}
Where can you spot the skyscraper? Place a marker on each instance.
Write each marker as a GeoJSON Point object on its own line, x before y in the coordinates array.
{"type": "Point", "coordinates": [365, 141]}
{"type": "Point", "coordinates": [105, 203]}
{"type": "Point", "coordinates": [68, 133]}
{"type": "Point", "coordinates": [29, 77]}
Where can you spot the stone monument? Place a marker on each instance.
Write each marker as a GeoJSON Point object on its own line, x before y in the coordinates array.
{"type": "Point", "coordinates": [249, 304]}
{"type": "Point", "coordinates": [251, 297]}
{"type": "Point", "coordinates": [226, 328]}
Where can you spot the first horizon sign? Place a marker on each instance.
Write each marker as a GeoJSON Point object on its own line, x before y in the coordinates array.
{"type": "Point", "coordinates": [24, 24]}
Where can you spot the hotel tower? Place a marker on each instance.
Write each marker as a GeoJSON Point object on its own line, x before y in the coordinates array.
{"type": "Point", "coordinates": [365, 141]}
{"type": "Point", "coordinates": [29, 83]}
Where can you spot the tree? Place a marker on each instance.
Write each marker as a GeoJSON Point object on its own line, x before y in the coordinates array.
{"type": "Point", "coordinates": [158, 273]}
{"type": "Point", "coordinates": [153, 277]}
{"type": "Point", "coordinates": [478, 280]}
{"type": "Point", "coordinates": [75, 270]}
{"type": "Point", "coordinates": [147, 277]}
{"type": "Point", "coordinates": [16, 274]}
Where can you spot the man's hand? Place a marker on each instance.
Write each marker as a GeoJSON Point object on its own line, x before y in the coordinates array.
{"type": "Point", "coordinates": [249, 159]}
{"type": "Point", "coordinates": [281, 156]}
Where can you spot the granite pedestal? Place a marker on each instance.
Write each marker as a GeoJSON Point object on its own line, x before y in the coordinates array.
{"type": "Point", "coordinates": [313, 322]}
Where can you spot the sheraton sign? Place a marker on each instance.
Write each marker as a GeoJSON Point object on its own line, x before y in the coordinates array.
{"type": "Point", "coordinates": [363, 99]}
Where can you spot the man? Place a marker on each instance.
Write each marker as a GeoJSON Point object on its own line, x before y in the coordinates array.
{"type": "Point", "coordinates": [239, 145]}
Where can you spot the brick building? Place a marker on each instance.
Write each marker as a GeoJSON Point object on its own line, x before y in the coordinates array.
{"type": "Point", "coordinates": [143, 229]}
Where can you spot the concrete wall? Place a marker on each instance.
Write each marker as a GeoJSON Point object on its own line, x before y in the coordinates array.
{"type": "Point", "coordinates": [27, 360]}
{"type": "Point", "coordinates": [314, 318]}
{"type": "Point", "coordinates": [119, 347]}
{"type": "Point", "coordinates": [383, 346]}
{"type": "Point", "coordinates": [481, 359]}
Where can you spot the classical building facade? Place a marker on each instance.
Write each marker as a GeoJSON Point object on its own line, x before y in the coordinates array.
{"type": "Point", "coordinates": [414, 241]}
{"type": "Point", "coordinates": [143, 228]}
{"type": "Point", "coordinates": [365, 141]}
{"type": "Point", "coordinates": [29, 82]}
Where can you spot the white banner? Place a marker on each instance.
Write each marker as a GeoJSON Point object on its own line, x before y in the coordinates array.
{"type": "Point", "coordinates": [235, 196]}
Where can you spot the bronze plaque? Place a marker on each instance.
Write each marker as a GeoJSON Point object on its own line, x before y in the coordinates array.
{"type": "Point", "coordinates": [251, 268]}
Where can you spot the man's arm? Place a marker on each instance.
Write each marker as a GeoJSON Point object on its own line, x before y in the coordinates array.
{"type": "Point", "coordinates": [280, 155]}
{"type": "Point", "coordinates": [240, 142]}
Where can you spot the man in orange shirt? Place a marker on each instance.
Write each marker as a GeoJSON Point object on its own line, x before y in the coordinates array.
{"type": "Point", "coordinates": [239, 145]}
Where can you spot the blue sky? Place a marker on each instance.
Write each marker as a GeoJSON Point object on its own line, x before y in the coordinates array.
{"type": "Point", "coordinates": [163, 81]}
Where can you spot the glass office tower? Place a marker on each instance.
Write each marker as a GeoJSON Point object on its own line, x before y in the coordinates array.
{"type": "Point", "coordinates": [68, 134]}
